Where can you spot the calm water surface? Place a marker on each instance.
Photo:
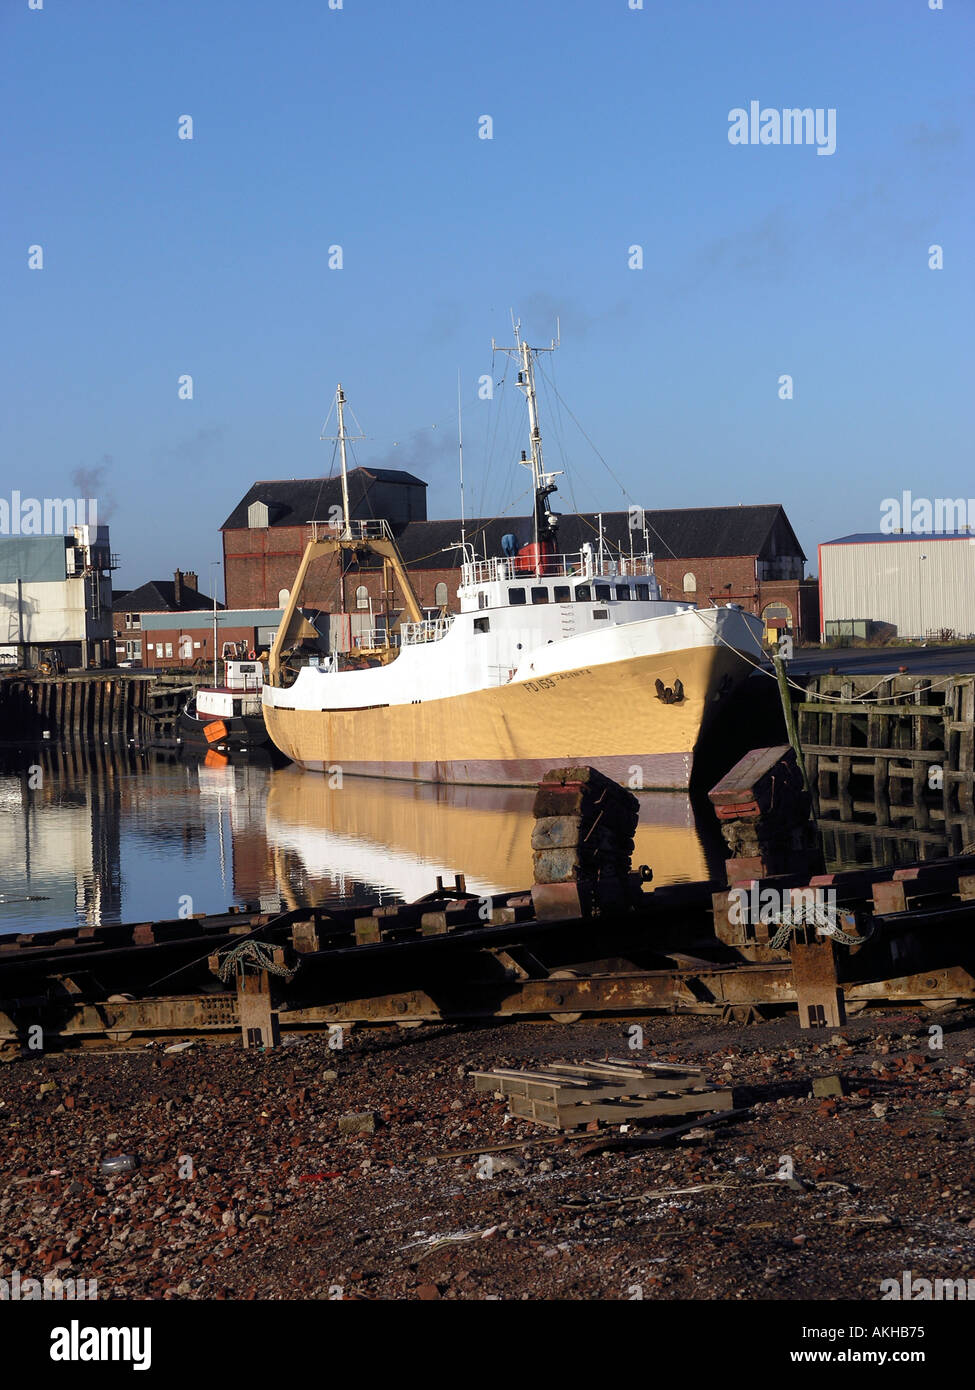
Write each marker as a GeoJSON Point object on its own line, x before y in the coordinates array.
{"type": "Point", "coordinates": [93, 835]}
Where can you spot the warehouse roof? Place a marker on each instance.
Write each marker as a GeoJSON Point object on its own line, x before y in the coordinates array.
{"type": "Point", "coordinates": [295, 501]}
{"type": "Point", "coordinates": [226, 618]}
{"type": "Point", "coordinates": [884, 537]}
{"type": "Point", "coordinates": [684, 533]}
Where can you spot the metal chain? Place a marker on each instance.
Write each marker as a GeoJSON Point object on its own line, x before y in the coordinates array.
{"type": "Point", "coordinates": [823, 919]}
{"type": "Point", "coordinates": [256, 953]}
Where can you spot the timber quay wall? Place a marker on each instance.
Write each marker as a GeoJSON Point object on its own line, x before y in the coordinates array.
{"type": "Point", "coordinates": [895, 756]}
{"type": "Point", "coordinates": [118, 705]}
{"type": "Point", "coordinates": [86, 705]}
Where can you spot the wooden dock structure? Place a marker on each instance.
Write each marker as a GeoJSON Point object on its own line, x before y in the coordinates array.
{"type": "Point", "coordinates": [94, 706]}
{"type": "Point", "coordinates": [86, 705]}
{"type": "Point", "coordinates": [895, 757]}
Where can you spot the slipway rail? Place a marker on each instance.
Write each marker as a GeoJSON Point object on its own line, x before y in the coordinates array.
{"type": "Point", "coordinates": [591, 937]}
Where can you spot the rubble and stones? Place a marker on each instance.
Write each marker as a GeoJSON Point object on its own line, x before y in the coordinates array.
{"type": "Point", "coordinates": [249, 1186]}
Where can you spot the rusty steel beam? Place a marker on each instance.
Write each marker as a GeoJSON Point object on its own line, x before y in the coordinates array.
{"type": "Point", "coordinates": [207, 1013]}
{"type": "Point", "coordinates": [732, 991]}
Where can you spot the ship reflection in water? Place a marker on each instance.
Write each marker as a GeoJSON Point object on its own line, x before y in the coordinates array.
{"type": "Point", "coordinates": [387, 841]}
{"type": "Point", "coordinates": [94, 836]}
{"type": "Point", "coordinates": [91, 836]}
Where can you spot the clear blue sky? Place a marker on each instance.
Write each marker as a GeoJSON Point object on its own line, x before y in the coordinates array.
{"type": "Point", "coordinates": [359, 127]}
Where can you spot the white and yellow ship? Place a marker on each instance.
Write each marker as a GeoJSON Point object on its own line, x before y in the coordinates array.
{"type": "Point", "coordinates": [552, 659]}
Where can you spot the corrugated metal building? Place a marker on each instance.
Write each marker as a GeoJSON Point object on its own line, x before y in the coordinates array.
{"type": "Point", "coordinates": [916, 586]}
{"type": "Point", "coordinates": [56, 598]}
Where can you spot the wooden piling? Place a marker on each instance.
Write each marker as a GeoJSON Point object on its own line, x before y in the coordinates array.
{"type": "Point", "coordinates": [897, 756]}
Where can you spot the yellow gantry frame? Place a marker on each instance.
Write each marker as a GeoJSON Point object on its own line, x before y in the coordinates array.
{"type": "Point", "coordinates": [290, 631]}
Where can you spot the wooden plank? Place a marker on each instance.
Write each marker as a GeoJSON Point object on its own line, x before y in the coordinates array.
{"type": "Point", "coordinates": [604, 1078]}
{"type": "Point", "coordinates": [560, 1090]}
{"type": "Point", "coordinates": [624, 1069]}
{"type": "Point", "coordinates": [494, 1080]}
{"type": "Point", "coordinates": [855, 707]}
{"type": "Point", "coordinates": [571, 1116]}
{"type": "Point", "coordinates": [644, 1084]}
{"type": "Point", "coordinates": [838, 750]}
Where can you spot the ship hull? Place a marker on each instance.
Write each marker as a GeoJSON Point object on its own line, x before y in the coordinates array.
{"type": "Point", "coordinates": [607, 716]}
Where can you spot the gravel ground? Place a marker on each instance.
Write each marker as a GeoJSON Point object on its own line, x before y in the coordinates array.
{"type": "Point", "coordinates": [279, 1204]}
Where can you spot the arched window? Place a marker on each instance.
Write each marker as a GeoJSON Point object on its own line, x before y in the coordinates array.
{"type": "Point", "coordinates": [362, 597]}
{"type": "Point", "coordinates": [440, 596]}
{"type": "Point", "coordinates": [283, 596]}
{"type": "Point", "coordinates": [690, 583]}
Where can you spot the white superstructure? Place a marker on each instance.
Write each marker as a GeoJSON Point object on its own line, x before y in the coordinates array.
{"type": "Point", "coordinates": [515, 627]}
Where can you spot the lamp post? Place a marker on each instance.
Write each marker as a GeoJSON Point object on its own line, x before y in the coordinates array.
{"type": "Point", "coordinates": [214, 564]}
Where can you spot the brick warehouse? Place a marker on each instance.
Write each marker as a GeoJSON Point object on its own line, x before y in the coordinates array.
{"type": "Point", "coordinates": [704, 555]}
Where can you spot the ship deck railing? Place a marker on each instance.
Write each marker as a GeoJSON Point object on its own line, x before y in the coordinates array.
{"type": "Point", "coordinates": [371, 529]}
{"type": "Point", "coordinates": [430, 630]}
{"type": "Point", "coordinates": [373, 638]}
{"type": "Point", "coordinates": [581, 564]}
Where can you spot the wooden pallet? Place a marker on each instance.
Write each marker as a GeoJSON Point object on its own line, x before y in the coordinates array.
{"type": "Point", "coordinates": [567, 1096]}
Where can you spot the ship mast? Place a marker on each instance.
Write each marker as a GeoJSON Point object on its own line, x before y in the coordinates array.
{"type": "Point", "coordinates": [340, 413]}
{"type": "Point", "coordinates": [542, 483]}
{"type": "Point", "coordinates": [526, 380]}
{"type": "Point", "coordinates": [347, 539]}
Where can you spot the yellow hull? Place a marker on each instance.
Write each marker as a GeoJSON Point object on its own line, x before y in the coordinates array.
{"type": "Point", "coordinates": [607, 716]}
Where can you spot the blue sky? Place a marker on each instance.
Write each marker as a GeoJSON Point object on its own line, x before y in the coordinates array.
{"type": "Point", "coordinates": [359, 127]}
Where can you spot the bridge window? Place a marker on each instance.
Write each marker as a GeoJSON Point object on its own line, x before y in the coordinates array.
{"type": "Point", "coordinates": [583, 593]}
{"type": "Point", "coordinates": [440, 596]}
{"type": "Point", "coordinates": [562, 593]}
{"type": "Point", "coordinates": [603, 592]}
{"type": "Point", "coordinates": [623, 591]}
{"type": "Point", "coordinates": [516, 596]}
{"type": "Point", "coordinates": [540, 594]}
{"type": "Point", "coordinates": [482, 624]}
{"type": "Point", "coordinates": [643, 592]}
{"type": "Point", "coordinates": [362, 597]}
